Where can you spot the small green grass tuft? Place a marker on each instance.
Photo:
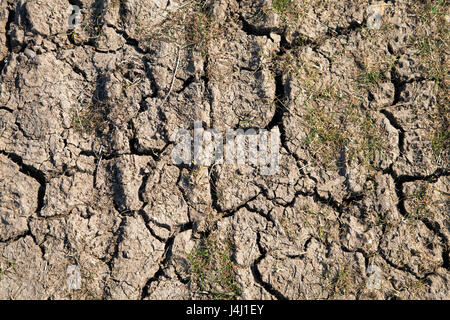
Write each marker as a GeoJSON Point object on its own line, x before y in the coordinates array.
{"type": "Point", "coordinates": [441, 145]}
{"type": "Point", "coordinates": [191, 25]}
{"type": "Point", "coordinates": [338, 282]}
{"type": "Point", "coordinates": [431, 39]}
{"type": "Point", "coordinates": [350, 129]}
{"type": "Point", "coordinates": [280, 6]}
{"type": "Point", "coordinates": [91, 118]}
{"type": "Point", "coordinates": [371, 77]}
{"type": "Point", "coordinates": [10, 267]}
{"type": "Point", "coordinates": [212, 269]}
{"type": "Point", "coordinates": [372, 143]}
{"type": "Point", "coordinates": [421, 201]}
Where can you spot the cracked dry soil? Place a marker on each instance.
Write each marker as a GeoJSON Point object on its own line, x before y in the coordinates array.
{"type": "Point", "coordinates": [359, 208]}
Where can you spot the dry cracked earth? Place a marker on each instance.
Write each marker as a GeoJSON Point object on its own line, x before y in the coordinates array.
{"type": "Point", "coordinates": [359, 208]}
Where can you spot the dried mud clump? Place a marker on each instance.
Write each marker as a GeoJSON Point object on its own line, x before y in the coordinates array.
{"type": "Point", "coordinates": [359, 207]}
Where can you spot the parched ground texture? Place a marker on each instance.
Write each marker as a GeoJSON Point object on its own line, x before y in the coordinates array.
{"type": "Point", "coordinates": [359, 208]}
